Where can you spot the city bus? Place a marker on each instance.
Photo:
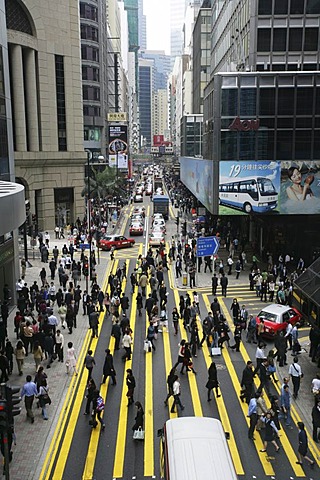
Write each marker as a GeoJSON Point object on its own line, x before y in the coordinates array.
{"type": "Point", "coordinates": [161, 205]}
{"type": "Point", "coordinates": [195, 448]}
{"type": "Point", "coordinates": [250, 194]}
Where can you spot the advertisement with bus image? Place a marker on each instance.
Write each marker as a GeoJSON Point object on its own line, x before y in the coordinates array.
{"type": "Point", "coordinates": [249, 187]}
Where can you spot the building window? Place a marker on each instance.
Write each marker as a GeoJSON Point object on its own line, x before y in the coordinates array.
{"type": "Point", "coordinates": [281, 8]}
{"type": "Point", "coordinates": [311, 39]}
{"type": "Point", "coordinates": [313, 6]}
{"type": "Point", "coordinates": [90, 93]}
{"type": "Point", "coordinates": [92, 134]}
{"type": "Point", "coordinates": [89, 53]}
{"type": "Point", "coordinates": [304, 101]}
{"type": "Point", "coordinates": [279, 39]}
{"type": "Point", "coordinates": [295, 39]}
{"type": "Point", "coordinates": [267, 99]}
{"type": "Point", "coordinates": [264, 40]}
{"type": "Point", "coordinates": [89, 12]}
{"type": "Point", "coordinates": [303, 144]}
{"type": "Point", "coordinates": [61, 103]}
{"type": "Point", "coordinates": [89, 33]}
{"type": "Point", "coordinates": [285, 101]}
{"type": "Point", "coordinates": [90, 73]}
{"type": "Point", "coordinates": [265, 7]}
{"type": "Point", "coordinates": [296, 7]}
{"type": "Point", "coordinates": [284, 145]}
{"type": "Point", "coordinates": [91, 111]}
{"type": "Point", "coordinates": [229, 102]}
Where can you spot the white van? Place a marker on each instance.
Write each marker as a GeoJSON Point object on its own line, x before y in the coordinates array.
{"type": "Point", "coordinates": [195, 448]}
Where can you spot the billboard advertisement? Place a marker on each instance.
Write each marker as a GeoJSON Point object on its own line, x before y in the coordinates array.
{"type": "Point", "coordinates": [197, 175]}
{"type": "Point", "coordinates": [118, 139]}
{"type": "Point", "coordinates": [158, 140]}
{"type": "Point", "coordinates": [120, 161]}
{"type": "Point", "coordinates": [300, 187]}
{"type": "Point", "coordinates": [269, 187]}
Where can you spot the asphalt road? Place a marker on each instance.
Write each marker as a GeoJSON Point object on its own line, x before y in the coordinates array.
{"type": "Point", "coordinates": [86, 454]}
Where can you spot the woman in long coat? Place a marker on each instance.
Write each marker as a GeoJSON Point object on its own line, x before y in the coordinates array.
{"type": "Point", "coordinates": [108, 368]}
{"type": "Point", "coordinates": [139, 417]}
{"type": "Point", "coordinates": [212, 381]}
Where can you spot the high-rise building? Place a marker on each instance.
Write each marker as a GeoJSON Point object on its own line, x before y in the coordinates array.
{"type": "Point", "coordinates": [142, 27]}
{"type": "Point", "coordinates": [46, 99]}
{"type": "Point", "coordinates": [145, 101]}
{"type": "Point", "coordinates": [162, 67]}
{"type": "Point", "coordinates": [177, 12]}
{"type": "Point", "coordinates": [160, 112]}
{"type": "Point", "coordinates": [201, 47]}
{"type": "Point", "coordinates": [132, 8]}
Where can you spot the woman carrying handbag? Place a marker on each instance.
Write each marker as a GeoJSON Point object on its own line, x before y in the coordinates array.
{"type": "Point", "coordinates": [138, 432]}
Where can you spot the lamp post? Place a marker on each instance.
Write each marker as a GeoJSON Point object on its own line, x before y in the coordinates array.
{"type": "Point", "coordinates": [89, 219]}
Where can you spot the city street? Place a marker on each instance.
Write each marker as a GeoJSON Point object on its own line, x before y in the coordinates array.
{"type": "Point", "coordinates": [80, 452]}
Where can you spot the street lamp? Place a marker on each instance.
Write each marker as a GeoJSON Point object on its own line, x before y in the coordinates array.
{"type": "Point", "coordinates": [89, 218]}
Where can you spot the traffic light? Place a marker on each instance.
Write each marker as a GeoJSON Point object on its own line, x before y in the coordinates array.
{"type": "Point", "coordinates": [3, 415]}
{"type": "Point", "coordinates": [85, 269]}
{"type": "Point", "coordinates": [177, 221]}
{"type": "Point", "coordinates": [12, 400]}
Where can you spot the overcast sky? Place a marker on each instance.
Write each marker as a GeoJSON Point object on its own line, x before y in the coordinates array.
{"type": "Point", "coordinates": [158, 24]}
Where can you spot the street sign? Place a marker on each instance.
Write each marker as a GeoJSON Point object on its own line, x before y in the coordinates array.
{"type": "Point", "coordinates": [207, 246]}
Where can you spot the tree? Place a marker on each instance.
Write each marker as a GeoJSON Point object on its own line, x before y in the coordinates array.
{"type": "Point", "coordinates": [103, 184]}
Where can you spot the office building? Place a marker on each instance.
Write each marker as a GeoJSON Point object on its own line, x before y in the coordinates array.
{"type": "Point", "coordinates": [145, 101]}
{"type": "Point", "coordinates": [12, 199]}
{"type": "Point", "coordinates": [160, 112]}
{"type": "Point", "coordinates": [46, 90]}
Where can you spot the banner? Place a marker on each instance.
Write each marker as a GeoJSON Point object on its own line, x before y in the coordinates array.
{"type": "Point", "coordinates": [197, 175]}
{"type": "Point", "coordinates": [269, 187]}
{"type": "Point", "coordinates": [118, 139]}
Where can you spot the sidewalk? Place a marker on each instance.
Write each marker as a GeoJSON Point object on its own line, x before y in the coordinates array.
{"type": "Point", "coordinates": [305, 401]}
{"type": "Point", "coordinates": [33, 440]}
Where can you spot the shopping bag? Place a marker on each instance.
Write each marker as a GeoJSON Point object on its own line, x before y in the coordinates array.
{"type": "Point", "coordinates": [215, 351]}
{"type": "Point", "coordinates": [147, 346]}
{"type": "Point", "coordinates": [138, 434]}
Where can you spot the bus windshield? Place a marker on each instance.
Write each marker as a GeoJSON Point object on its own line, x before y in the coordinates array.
{"type": "Point", "coordinates": [266, 187]}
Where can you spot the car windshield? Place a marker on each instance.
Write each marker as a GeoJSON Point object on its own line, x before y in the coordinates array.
{"type": "Point", "coordinates": [270, 317]}
{"type": "Point", "coordinates": [107, 237]}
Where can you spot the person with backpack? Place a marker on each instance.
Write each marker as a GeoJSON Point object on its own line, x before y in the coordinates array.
{"type": "Point", "coordinates": [97, 410]}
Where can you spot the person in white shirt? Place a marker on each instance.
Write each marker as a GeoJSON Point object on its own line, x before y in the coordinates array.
{"type": "Point", "coordinates": [315, 384]}
{"type": "Point", "coordinates": [288, 335]}
{"type": "Point", "coordinates": [295, 373]}
{"type": "Point", "coordinates": [260, 356]}
{"type": "Point", "coordinates": [126, 343]}
{"type": "Point", "coordinates": [176, 387]}
{"type": "Point", "coordinates": [53, 322]}
{"type": "Point", "coordinates": [59, 345]}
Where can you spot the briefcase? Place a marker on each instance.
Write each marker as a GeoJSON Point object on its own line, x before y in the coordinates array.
{"type": "Point", "coordinates": [215, 351]}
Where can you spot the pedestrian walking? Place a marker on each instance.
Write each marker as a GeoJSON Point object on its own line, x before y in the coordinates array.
{"type": "Point", "coordinates": [37, 354]}
{"type": "Point", "coordinates": [214, 284]}
{"type": "Point", "coordinates": [44, 399]}
{"type": "Point", "coordinates": [97, 409]}
{"type": "Point", "coordinates": [108, 368]}
{"type": "Point", "coordinates": [29, 391]}
{"type": "Point", "coordinates": [139, 301]}
{"type": "Point", "coordinates": [270, 432]}
{"type": "Point", "coordinates": [91, 387]}
{"type": "Point", "coordinates": [237, 339]}
{"type": "Point", "coordinates": [252, 414]}
{"type": "Point", "coordinates": [151, 334]}
{"type": "Point", "coordinates": [94, 323]}
{"type": "Point", "coordinates": [131, 385]}
{"type": "Point", "coordinates": [176, 394]}
{"type": "Point", "coordinates": [296, 374]}
{"type": "Point", "coordinates": [116, 333]}
{"type": "Point", "coordinates": [126, 343]}
{"type": "Point", "coordinates": [71, 362]}
{"type": "Point", "coordinates": [138, 424]}
{"type": "Point", "coordinates": [247, 383]}
{"type": "Point", "coordinates": [59, 344]}
{"type": "Point", "coordinates": [224, 284]}
{"type": "Point", "coordinates": [260, 356]}
{"type": "Point", "coordinates": [175, 320]}
{"type": "Point", "coordinates": [285, 402]}
{"type": "Point", "coordinates": [303, 446]}
{"type": "Point", "coordinates": [170, 382]}
{"type": "Point", "coordinates": [89, 363]}
{"type": "Point", "coordinates": [20, 354]}
{"type": "Point", "coordinates": [212, 382]}
{"type": "Point", "coordinates": [180, 354]}
{"type": "Point", "coordinates": [315, 414]}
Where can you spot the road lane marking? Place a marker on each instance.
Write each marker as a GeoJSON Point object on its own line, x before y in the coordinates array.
{"type": "Point", "coordinates": [123, 415]}
{"type": "Point", "coordinates": [95, 434]}
{"type": "Point", "coordinates": [71, 404]}
{"type": "Point", "coordinates": [148, 408]}
{"type": "Point", "coordinates": [287, 447]}
{"type": "Point", "coordinates": [222, 410]}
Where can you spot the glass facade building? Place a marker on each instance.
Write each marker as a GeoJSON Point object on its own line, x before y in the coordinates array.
{"type": "Point", "coordinates": [191, 135]}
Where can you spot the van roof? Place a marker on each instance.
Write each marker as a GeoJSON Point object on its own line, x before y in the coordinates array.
{"type": "Point", "coordinates": [196, 446]}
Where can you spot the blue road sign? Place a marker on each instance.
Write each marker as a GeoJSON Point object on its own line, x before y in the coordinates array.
{"type": "Point", "coordinates": [207, 246]}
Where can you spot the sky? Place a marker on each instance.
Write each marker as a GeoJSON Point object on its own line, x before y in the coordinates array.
{"type": "Point", "coordinates": [158, 24]}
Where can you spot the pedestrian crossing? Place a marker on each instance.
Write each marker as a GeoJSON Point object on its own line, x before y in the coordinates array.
{"type": "Point", "coordinates": [124, 459]}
